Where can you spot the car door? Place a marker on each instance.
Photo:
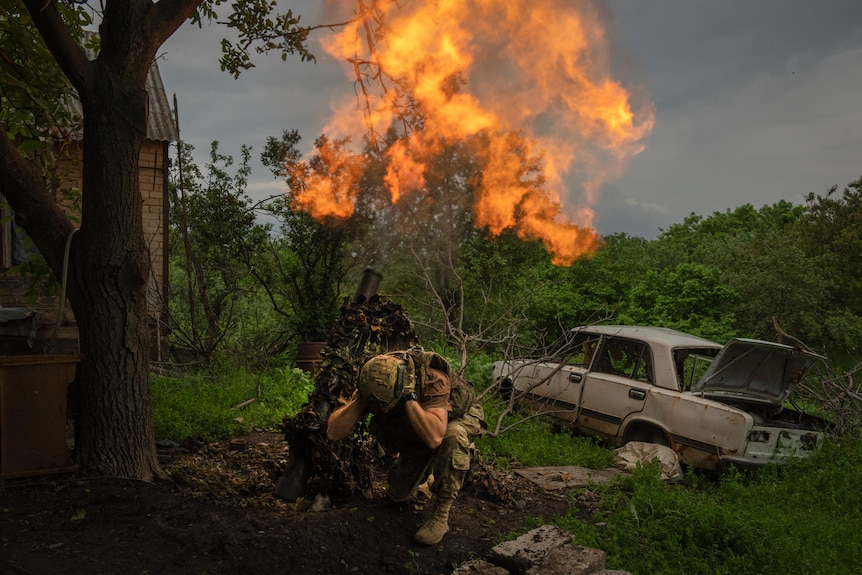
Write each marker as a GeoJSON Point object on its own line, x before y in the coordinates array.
{"type": "Point", "coordinates": [616, 386]}
{"type": "Point", "coordinates": [554, 386]}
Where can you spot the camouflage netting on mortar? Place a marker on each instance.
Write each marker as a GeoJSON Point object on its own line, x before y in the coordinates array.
{"type": "Point", "coordinates": [366, 327]}
{"type": "Point", "coordinates": [307, 463]}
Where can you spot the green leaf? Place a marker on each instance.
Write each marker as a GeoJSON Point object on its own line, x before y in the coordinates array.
{"type": "Point", "coordinates": [31, 145]}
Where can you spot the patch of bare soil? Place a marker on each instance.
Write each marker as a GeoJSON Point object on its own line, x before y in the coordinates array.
{"type": "Point", "coordinates": [218, 515]}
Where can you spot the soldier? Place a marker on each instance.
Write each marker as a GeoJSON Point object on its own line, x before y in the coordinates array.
{"type": "Point", "coordinates": [424, 413]}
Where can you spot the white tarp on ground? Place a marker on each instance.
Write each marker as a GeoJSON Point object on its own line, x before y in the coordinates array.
{"type": "Point", "coordinates": [633, 453]}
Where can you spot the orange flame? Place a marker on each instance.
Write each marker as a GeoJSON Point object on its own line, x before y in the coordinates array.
{"type": "Point", "coordinates": [330, 188]}
{"type": "Point", "coordinates": [535, 67]}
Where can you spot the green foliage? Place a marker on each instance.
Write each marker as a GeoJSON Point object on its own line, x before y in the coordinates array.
{"type": "Point", "coordinates": [831, 234]}
{"type": "Point", "coordinates": [535, 442]}
{"type": "Point", "coordinates": [478, 370]}
{"type": "Point", "coordinates": [690, 297]}
{"type": "Point", "coordinates": [595, 288]}
{"type": "Point", "coordinates": [502, 278]}
{"type": "Point", "coordinates": [260, 27]}
{"type": "Point", "coordinates": [209, 265]}
{"type": "Point", "coordinates": [304, 269]}
{"type": "Point", "coordinates": [696, 233]}
{"type": "Point", "coordinates": [204, 405]}
{"type": "Point", "coordinates": [774, 278]}
{"type": "Point", "coordinates": [36, 116]}
{"type": "Point", "coordinates": [797, 519]}
{"type": "Point", "coordinates": [33, 91]}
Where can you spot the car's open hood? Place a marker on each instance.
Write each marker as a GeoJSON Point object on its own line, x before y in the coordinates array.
{"type": "Point", "coordinates": [755, 370]}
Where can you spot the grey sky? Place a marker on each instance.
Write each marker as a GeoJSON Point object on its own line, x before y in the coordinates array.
{"type": "Point", "coordinates": [756, 101]}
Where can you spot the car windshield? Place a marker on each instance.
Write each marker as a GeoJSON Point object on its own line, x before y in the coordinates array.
{"type": "Point", "coordinates": [691, 364]}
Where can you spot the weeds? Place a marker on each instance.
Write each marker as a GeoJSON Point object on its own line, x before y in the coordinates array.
{"type": "Point", "coordinates": [412, 565]}
{"type": "Point", "coordinates": [799, 518]}
{"type": "Point", "coordinates": [535, 442]}
{"type": "Point", "coordinates": [207, 407]}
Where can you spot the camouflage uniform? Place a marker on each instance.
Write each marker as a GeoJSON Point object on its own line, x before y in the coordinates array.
{"type": "Point", "coordinates": [449, 462]}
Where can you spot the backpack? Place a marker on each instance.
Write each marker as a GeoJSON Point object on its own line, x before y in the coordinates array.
{"type": "Point", "coordinates": [462, 394]}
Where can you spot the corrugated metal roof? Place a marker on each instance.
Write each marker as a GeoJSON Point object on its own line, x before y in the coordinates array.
{"type": "Point", "coordinates": [160, 121]}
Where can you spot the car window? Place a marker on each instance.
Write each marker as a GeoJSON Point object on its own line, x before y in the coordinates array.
{"type": "Point", "coordinates": [581, 349]}
{"type": "Point", "coordinates": [691, 364]}
{"type": "Point", "coordinates": [625, 357]}
{"type": "Point", "coordinates": [643, 368]}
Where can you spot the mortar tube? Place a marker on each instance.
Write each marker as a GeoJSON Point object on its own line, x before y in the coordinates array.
{"type": "Point", "coordinates": [368, 285]}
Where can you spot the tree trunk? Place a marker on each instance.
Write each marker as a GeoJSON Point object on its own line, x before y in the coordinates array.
{"type": "Point", "coordinates": [110, 269]}
{"type": "Point", "coordinates": [109, 261]}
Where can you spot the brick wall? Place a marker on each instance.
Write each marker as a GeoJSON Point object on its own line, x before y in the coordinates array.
{"type": "Point", "coordinates": [152, 181]}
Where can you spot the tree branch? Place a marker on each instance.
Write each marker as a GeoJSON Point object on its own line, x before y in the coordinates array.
{"type": "Point", "coordinates": [166, 17]}
{"type": "Point", "coordinates": [71, 57]}
{"type": "Point", "coordinates": [22, 184]}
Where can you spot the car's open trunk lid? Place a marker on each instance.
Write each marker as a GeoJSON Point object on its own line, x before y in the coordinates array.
{"type": "Point", "coordinates": [753, 370]}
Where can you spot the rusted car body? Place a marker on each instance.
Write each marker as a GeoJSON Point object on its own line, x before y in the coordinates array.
{"type": "Point", "coordinates": [714, 405]}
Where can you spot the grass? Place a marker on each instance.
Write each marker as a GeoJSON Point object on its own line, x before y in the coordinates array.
{"type": "Point", "coordinates": [534, 442]}
{"type": "Point", "coordinates": [204, 406]}
{"type": "Point", "coordinates": [801, 518]}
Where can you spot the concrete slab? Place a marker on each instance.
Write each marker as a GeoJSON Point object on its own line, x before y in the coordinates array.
{"type": "Point", "coordinates": [570, 560]}
{"type": "Point", "coordinates": [528, 550]}
{"type": "Point", "coordinates": [479, 567]}
{"type": "Point", "coordinates": [567, 476]}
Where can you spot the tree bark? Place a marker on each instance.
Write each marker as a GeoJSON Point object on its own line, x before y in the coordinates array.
{"type": "Point", "coordinates": [109, 262]}
{"type": "Point", "coordinates": [110, 268]}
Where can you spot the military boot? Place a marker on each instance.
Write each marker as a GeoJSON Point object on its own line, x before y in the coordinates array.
{"type": "Point", "coordinates": [435, 528]}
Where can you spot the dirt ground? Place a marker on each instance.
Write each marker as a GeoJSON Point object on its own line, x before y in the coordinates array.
{"type": "Point", "coordinates": [218, 515]}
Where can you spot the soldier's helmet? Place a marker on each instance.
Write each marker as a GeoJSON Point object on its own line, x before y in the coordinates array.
{"type": "Point", "coordinates": [381, 382]}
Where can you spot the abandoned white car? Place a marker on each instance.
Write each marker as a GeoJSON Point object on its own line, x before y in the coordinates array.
{"type": "Point", "coordinates": [714, 405]}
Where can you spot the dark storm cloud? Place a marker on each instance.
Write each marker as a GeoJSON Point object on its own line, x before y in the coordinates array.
{"type": "Point", "coordinates": [756, 102]}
